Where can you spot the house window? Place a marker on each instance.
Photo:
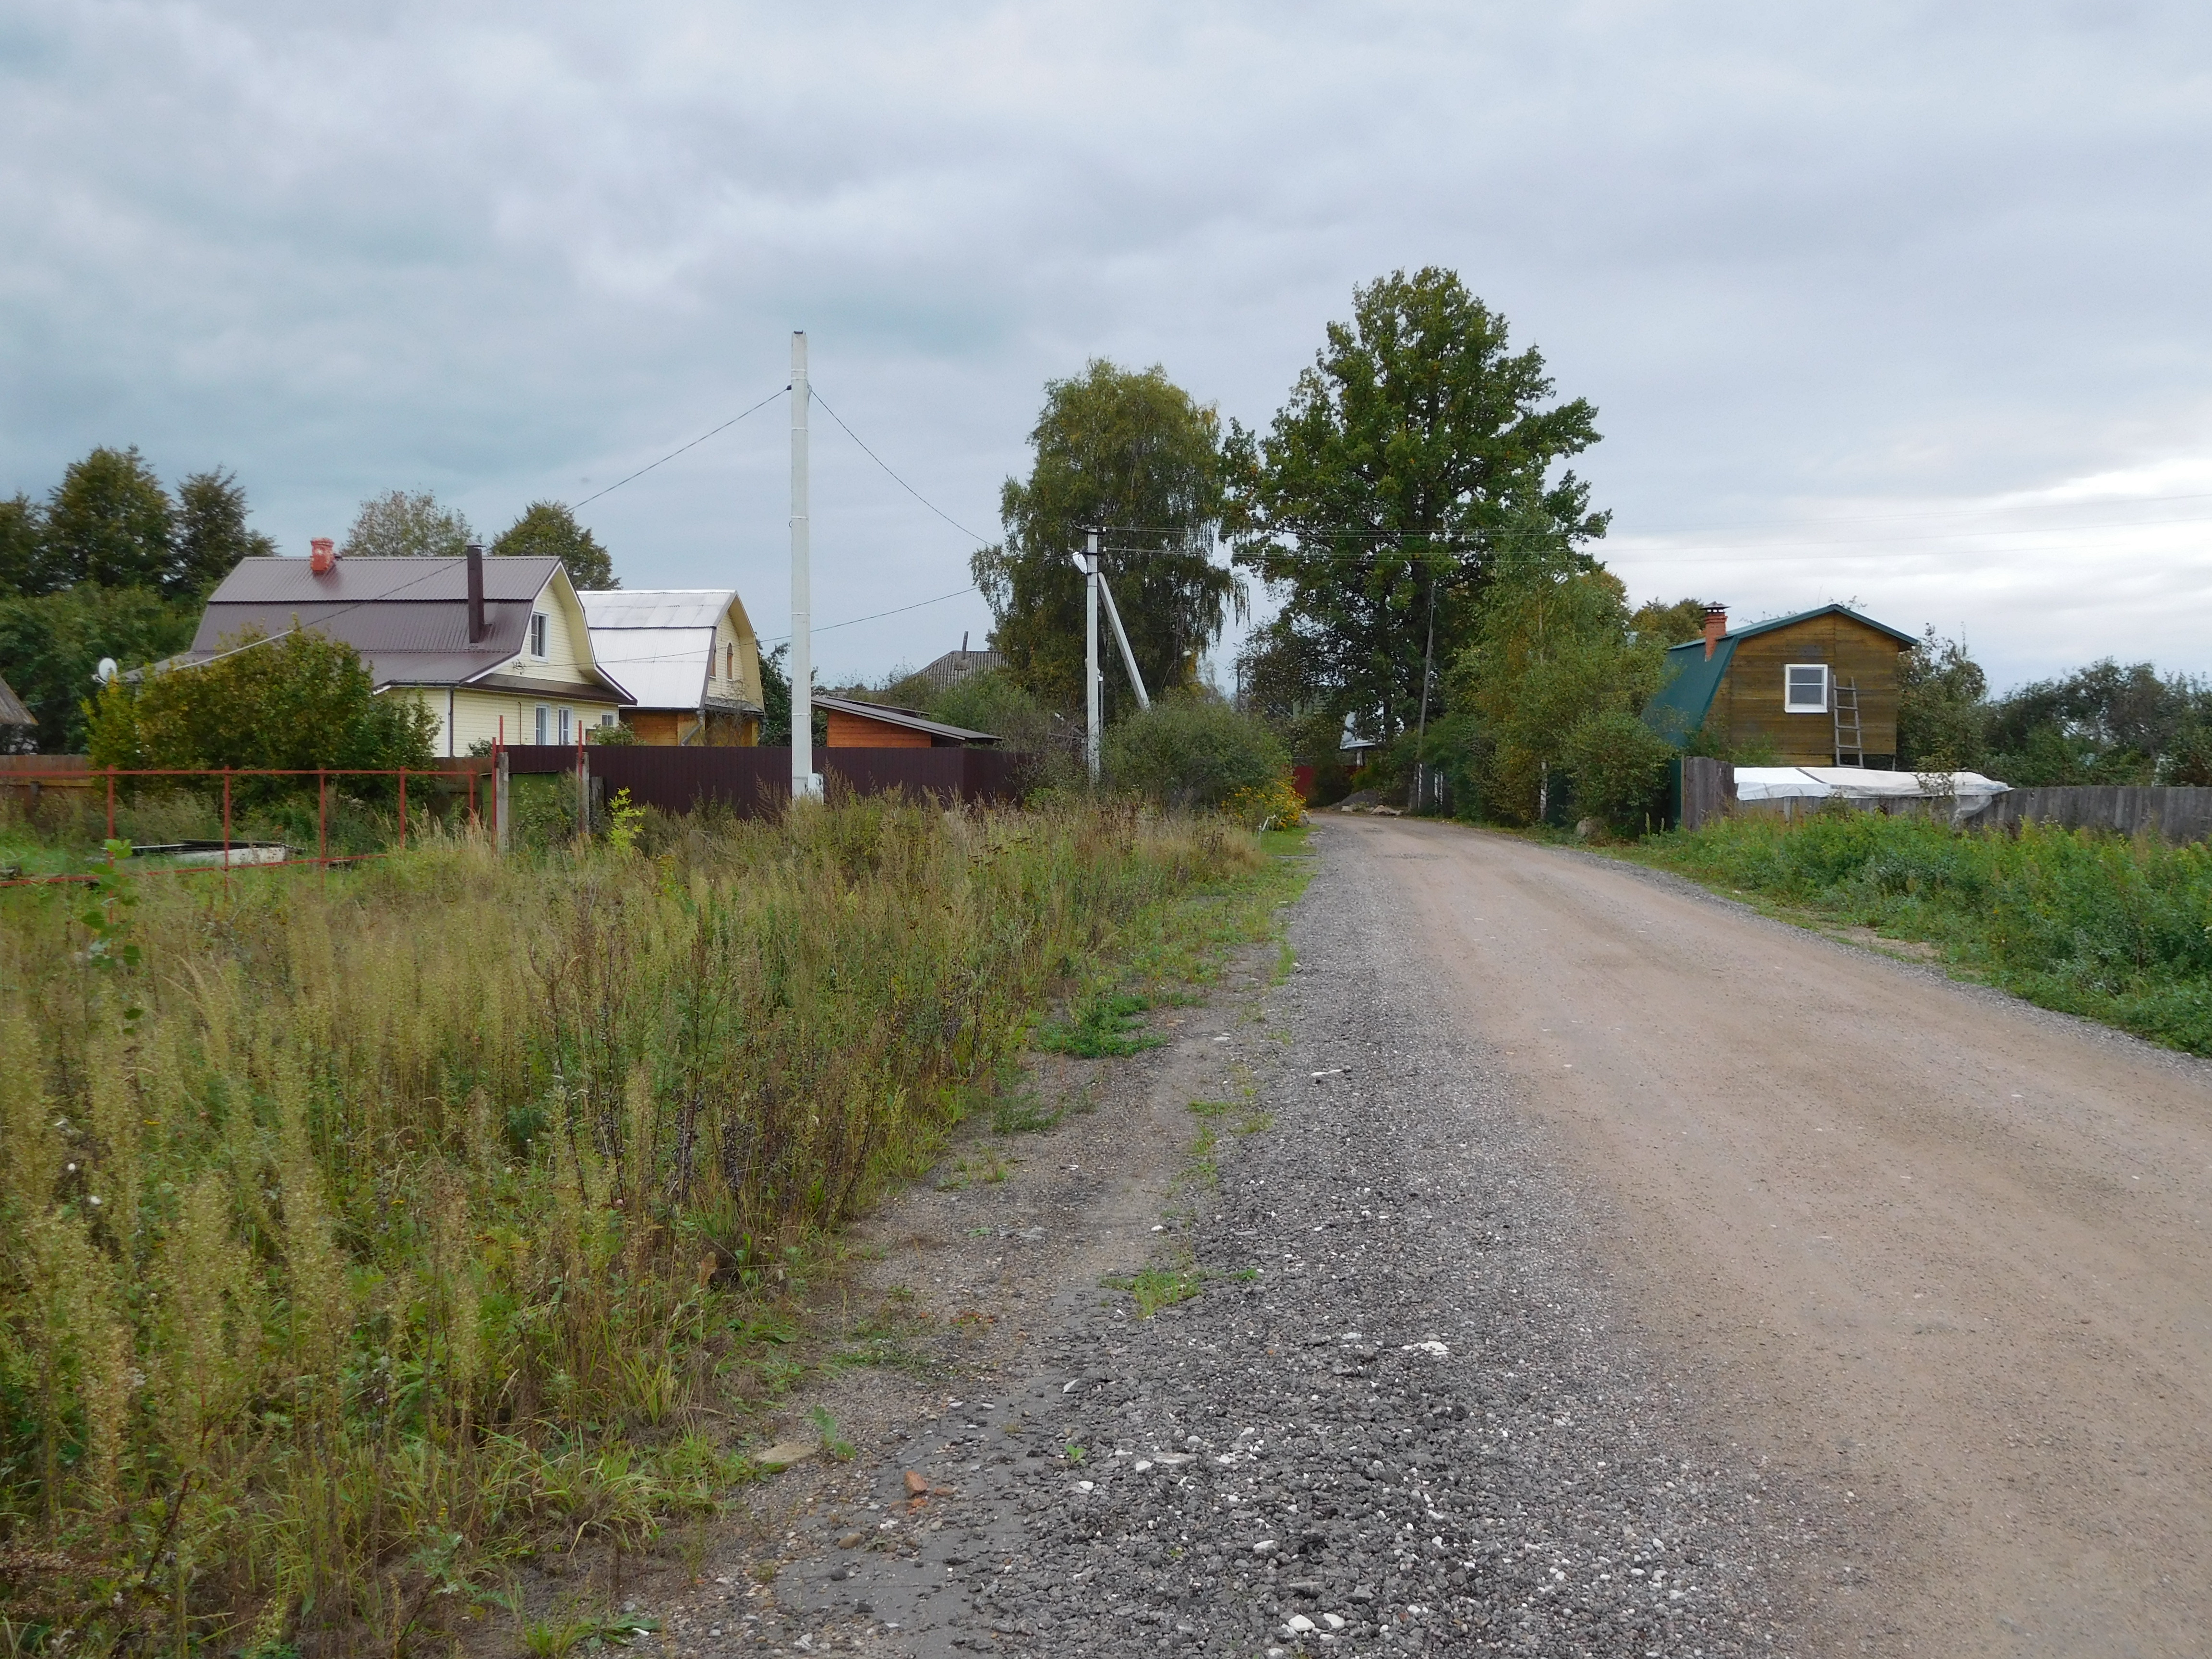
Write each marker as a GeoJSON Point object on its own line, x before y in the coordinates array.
{"type": "Point", "coordinates": [544, 724]}
{"type": "Point", "coordinates": [606, 720]}
{"type": "Point", "coordinates": [1805, 689]}
{"type": "Point", "coordinates": [538, 635]}
{"type": "Point", "coordinates": [567, 736]}
{"type": "Point", "coordinates": [729, 662]}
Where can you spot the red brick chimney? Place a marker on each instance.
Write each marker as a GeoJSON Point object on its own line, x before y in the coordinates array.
{"type": "Point", "coordinates": [321, 558]}
{"type": "Point", "coordinates": [1715, 625]}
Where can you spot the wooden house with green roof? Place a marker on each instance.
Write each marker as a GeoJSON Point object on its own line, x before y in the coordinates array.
{"type": "Point", "coordinates": [1818, 688]}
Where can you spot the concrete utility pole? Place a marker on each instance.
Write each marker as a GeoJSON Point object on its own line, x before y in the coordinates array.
{"type": "Point", "coordinates": [805, 781]}
{"type": "Point", "coordinates": [1122, 636]}
{"type": "Point", "coordinates": [1094, 714]}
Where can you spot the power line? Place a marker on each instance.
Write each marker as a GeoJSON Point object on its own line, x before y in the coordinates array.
{"type": "Point", "coordinates": [980, 541]}
{"type": "Point", "coordinates": [694, 443]}
{"type": "Point", "coordinates": [854, 622]}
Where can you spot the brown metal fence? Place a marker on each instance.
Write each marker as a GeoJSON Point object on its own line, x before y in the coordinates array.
{"type": "Point", "coordinates": [757, 781]}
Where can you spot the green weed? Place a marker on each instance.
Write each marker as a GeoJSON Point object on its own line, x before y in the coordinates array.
{"type": "Point", "coordinates": [1107, 1026]}
{"type": "Point", "coordinates": [1155, 1288]}
{"type": "Point", "coordinates": [2118, 930]}
{"type": "Point", "coordinates": [419, 1208]}
{"type": "Point", "coordinates": [834, 1443]}
{"type": "Point", "coordinates": [555, 1638]}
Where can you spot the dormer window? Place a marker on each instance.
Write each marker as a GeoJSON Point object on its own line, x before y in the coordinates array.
{"type": "Point", "coordinates": [538, 626]}
{"type": "Point", "coordinates": [1805, 687]}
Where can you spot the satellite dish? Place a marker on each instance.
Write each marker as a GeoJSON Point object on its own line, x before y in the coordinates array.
{"type": "Point", "coordinates": [105, 671]}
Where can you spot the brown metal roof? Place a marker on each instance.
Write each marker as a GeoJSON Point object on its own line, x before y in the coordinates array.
{"type": "Point", "coordinates": [409, 618]}
{"type": "Point", "coordinates": [912, 720]}
{"type": "Point", "coordinates": [12, 712]}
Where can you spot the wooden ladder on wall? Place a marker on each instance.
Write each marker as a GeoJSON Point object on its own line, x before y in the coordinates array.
{"type": "Point", "coordinates": [1850, 739]}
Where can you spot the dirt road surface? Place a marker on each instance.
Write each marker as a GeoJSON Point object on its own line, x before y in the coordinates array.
{"type": "Point", "coordinates": [1563, 1262]}
{"type": "Point", "coordinates": [1939, 1253]}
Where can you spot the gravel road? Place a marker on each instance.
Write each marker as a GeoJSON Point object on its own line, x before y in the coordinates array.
{"type": "Point", "coordinates": [1608, 1271]}
{"type": "Point", "coordinates": [1400, 1417]}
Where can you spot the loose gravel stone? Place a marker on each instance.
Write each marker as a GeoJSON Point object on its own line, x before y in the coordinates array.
{"type": "Point", "coordinates": [1399, 1419]}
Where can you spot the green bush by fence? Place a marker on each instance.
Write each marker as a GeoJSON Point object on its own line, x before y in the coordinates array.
{"type": "Point", "coordinates": [2118, 930]}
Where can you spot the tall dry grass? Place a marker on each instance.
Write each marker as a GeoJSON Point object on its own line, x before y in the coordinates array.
{"type": "Point", "coordinates": [362, 1231]}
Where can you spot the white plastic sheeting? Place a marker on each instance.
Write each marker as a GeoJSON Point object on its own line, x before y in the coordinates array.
{"type": "Point", "coordinates": [1860, 783]}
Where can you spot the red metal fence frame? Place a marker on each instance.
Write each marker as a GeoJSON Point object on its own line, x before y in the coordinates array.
{"type": "Point", "coordinates": [471, 768]}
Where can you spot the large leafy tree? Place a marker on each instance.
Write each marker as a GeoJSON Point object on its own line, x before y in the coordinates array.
{"type": "Point", "coordinates": [1943, 707]}
{"type": "Point", "coordinates": [211, 534]}
{"type": "Point", "coordinates": [407, 525]}
{"type": "Point", "coordinates": [1129, 452]}
{"type": "Point", "coordinates": [1553, 680]}
{"type": "Point", "coordinates": [2102, 724]}
{"type": "Point", "coordinates": [550, 530]}
{"type": "Point", "coordinates": [108, 521]}
{"type": "Point", "coordinates": [51, 643]}
{"type": "Point", "coordinates": [1413, 451]}
{"type": "Point", "coordinates": [21, 548]}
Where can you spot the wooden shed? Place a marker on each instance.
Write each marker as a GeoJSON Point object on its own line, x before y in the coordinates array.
{"type": "Point", "coordinates": [857, 724]}
{"type": "Point", "coordinates": [1818, 688]}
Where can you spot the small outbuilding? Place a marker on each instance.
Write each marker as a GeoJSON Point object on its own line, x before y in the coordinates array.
{"type": "Point", "coordinates": [13, 714]}
{"type": "Point", "coordinates": [857, 724]}
{"type": "Point", "coordinates": [688, 658]}
{"type": "Point", "coordinates": [1818, 688]}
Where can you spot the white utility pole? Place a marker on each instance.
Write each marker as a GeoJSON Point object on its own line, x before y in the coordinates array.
{"type": "Point", "coordinates": [1094, 714]}
{"type": "Point", "coordinates": [805, 781]}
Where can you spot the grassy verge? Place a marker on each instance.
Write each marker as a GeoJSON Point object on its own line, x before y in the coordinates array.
{"type": "Point", "coordinates": [362, 1236]}
{"type": "Point", "coordinates": [2116, 930]}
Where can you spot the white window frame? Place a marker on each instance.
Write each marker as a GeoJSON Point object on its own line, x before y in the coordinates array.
{"type": "Point", "coordinates": [1790, 672]}
{"type": "Point", "coordinates": [544, 724]}
{"type": "Point", "coordinates": [541, 630]}
{"type": "Point", "coordinates": [567, 728]}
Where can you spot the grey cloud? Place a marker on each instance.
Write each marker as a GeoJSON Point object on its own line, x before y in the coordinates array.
{"type": "Point", "coordinates": [1914, 255]}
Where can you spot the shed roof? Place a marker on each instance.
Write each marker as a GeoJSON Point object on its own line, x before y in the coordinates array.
{"type": "Point", "coordinates": [912, 720]}
{"type": "Point", "coordinates": [659, 642]}
{"type": "Point", "coordinates": [12, 712]}
{"type": "Point", "coordinates": [1680, 706]}
{"type": "Point", "coordinates": [656, 607]}
{"type": "Point", "coordinates": [955, 666]}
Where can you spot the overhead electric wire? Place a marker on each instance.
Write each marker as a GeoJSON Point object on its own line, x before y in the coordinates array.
{"type": "Point", "coordinates": [694, 443]}
{"type": "Point", "coordinates": [980, 541]}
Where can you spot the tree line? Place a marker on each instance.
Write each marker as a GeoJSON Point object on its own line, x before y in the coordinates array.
{"type": "Point", "coordinates": [113, 562]}
{"type": "Point", "coordinates": [1414, 514]}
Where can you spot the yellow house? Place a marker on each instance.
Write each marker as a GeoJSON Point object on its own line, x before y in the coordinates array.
{"type": "Point", "coordinates": [493, 648]}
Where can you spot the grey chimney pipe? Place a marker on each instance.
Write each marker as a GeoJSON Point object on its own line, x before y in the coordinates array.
{"type": "Point", "coordinates": [477, 628]}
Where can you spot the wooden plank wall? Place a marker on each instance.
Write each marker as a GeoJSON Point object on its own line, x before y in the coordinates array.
{"type": "Point", "coordinates": [1708, 790]}
{"type": "Point", "coordinates": [1750, 695]}
{"type": "Point", "coordinates": [2172, 812]}
{"type": "Point", "coordinates": [858, 732]}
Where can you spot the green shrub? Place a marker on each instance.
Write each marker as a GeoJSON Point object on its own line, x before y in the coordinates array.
{"type": "Point", "coordinates": [296, 702]}
{"type": "Point", "coordinates": [1193, 751]}
{"type": "Point", "coordinates": [1619, 766]}
{"type": "Point", "coordinates": [2092, 924]}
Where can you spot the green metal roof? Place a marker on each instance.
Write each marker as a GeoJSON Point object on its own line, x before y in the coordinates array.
{"type": "Point", "coordinates": [1680, 706]}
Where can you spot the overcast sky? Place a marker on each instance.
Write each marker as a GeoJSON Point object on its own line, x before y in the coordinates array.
{"type": "Point", "coordinates": [1905, 306]}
